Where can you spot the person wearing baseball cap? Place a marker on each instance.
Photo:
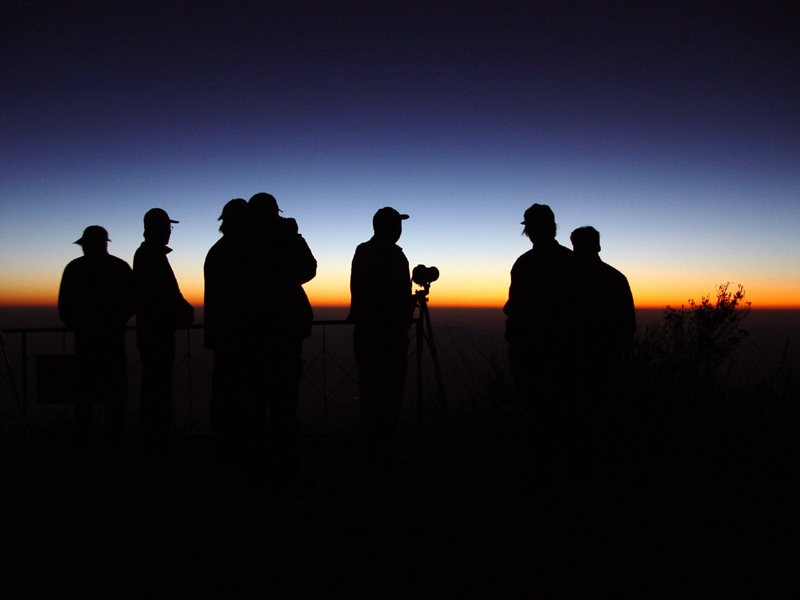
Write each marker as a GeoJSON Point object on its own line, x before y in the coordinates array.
{"type": "Point", "coordinates": [160, 311]}
{"type": "Point", "coordinates": [95, 300]}
{"type": "Point", "coordinates": [157, 217]}
{"type": "Point", "coordinates": [382, 309]}
{"type": "Point", "coordinates": [541, 328]}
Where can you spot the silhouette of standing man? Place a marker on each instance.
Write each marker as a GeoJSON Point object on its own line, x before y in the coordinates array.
{"type": "Point", "coordinates": [540, 330]}
{"type": "Point", "coordinates": [282, 318]}
{"type": "Point", "coordinates": [608, 319]}
{"type": "Point", "coordinates": [540, 323]}
{"type": "Point", "coordinates": [381, 307]}
{"type": "Point", "coordinates": [237, 417]}
{"type": "Point", "coordinates": [606, 325]}
{"type": "Point", "coordinates": [227, 305]}
{"type": "Point", "coordinates": [95, 300]}
{"type": "Point", "coordinates": [160, 311]}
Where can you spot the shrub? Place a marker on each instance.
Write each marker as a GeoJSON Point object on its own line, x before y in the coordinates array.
{"type": "Point", "coordinates": [691, 351]}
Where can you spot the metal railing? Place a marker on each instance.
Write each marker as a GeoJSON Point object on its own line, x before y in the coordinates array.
{"type": "Point", "coordinates": [328, 384]}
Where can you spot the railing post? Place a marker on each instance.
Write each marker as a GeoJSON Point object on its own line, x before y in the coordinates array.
{"type": "Point", "coordinates": [325, 375]}
{"type": "Point", "coordinates": [25, 374]}
{"type": "Point", "coordinates": [189, 376]}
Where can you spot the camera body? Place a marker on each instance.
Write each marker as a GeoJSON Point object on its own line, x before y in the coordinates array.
{"type": "Point", "coordinates": [424, 276]}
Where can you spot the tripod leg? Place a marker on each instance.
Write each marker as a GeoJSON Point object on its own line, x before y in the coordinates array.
{"type": "Point", "coordinates": [425, 317]}
{"type": "Point", "coordinates": [420, 346]}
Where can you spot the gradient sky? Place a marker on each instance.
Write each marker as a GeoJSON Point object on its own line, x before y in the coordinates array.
{"type": "Point", "coordinates": [673, 129]}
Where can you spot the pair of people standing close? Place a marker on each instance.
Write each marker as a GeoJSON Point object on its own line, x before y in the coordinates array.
{"type": "Point", "coordinates": [256, 318]}
{"type": "Point", "coordinates": [98, 295]}
{"type": "Point", "coordinates": [569, 318]}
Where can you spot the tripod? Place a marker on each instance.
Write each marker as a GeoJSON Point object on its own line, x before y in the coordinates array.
{"type": "Point", "coordinates": [425, 334]}
{"type": "Point", "coordinates": [14, 388]}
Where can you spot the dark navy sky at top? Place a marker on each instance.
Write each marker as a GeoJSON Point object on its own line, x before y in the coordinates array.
{"type": "Point", "coordinates": [116, 76]}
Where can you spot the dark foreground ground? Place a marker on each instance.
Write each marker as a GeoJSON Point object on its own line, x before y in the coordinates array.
{"type": "Point", "coordinates": [460, 521]}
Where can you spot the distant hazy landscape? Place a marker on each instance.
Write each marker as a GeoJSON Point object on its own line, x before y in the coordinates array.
{"type": "Point", "coordinates": [471, 352]}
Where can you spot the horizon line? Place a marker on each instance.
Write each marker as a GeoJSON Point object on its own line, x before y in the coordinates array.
{"type": "Point", "coordinates": [448, 306]}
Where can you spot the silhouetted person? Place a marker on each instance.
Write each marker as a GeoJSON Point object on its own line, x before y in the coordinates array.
{"type": "Point", "coordinates": [540, 330]}
{"type": "Point", "coordinates": [607, 316]}
{"type": "Point", "coordinates": [160, 311]}
{"type": "Point", "coordinates": [381, 307]}
{"type": "Point", "coordinates": [281, 319]}
{"type": "Point", "coordinates": [607, 323]}
{"type": "Point", "coordinates": [237, 417]}
{"type": "Point", "coordinates": [95, 300]}
{"type": "Point", "coordinates": [540, 323]}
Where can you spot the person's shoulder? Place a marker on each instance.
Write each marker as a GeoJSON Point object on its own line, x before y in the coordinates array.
{"type": "Point", "coordinates": [525, 258]}
{"type": "Point", "coordinates": [149, 253]}
{"type": "Point", "coordinates": [76, 262]}
{"type": "Point", "coordinates": [396, 250]}
{"type": "Point", "coordinates": [612, 273]}
{"type": "Point", "coordinates": [563, 250]}
{"type": "Point", "coordinates": [74, 266]}
{"type": "Point", "coordinates": [141, 253]}
{"type": "Point", "coordinates": [218, 246]}
{"type": "Point", "coordinates": [119, 263]}
{"type": "Point", "coordinates": [363, 248]}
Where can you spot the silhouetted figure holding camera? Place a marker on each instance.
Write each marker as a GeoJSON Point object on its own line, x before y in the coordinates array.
{"type": "Point", "coordinates": [160, 311]}
{"type": "Point", "coordinates": [282, 319]}
{"type": "Point", "coordinates": [95, 300]}
{"type": "Point", "coordinates": [381, 307]}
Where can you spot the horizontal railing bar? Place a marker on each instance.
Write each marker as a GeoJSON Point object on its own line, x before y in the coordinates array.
{"type": "Point", "coordinates": [133, 327]}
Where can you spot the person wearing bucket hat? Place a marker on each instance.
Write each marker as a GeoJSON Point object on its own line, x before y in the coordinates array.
{"type": "Point", "coordinates": [160, 311]}
{"type": "Point", "coordinates": [95, 300]}
{"type": "Point", "coordinates": [382, 309]}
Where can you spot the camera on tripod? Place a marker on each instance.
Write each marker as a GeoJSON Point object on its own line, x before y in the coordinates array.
{"type": "Point", "coordinates": [423, 276]}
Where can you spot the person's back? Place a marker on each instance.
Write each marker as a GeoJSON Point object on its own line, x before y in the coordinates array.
{"type": "Point", "coordinates": [540, 300]}
{"type": "Point", "coordinates": [380, 287]}
{"type": "Point", "coordinates": [95, 295]}
{"type": "Point", "coordinates": [95, 300]}
{"type": "Point", "coordinates": [229, 309]}
{"type": "Point", "coordinates": [607, 322]}
{"type": "Point", "coordinates": [607, 318]}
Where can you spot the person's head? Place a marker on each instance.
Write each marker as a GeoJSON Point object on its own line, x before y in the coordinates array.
{"type": "Point", "coordinates": [264, 207]}
{"type": "Point", "coordinates": [388, 224]}
{"type": "Point", "coordinates": [94, 241]}
{"type": "Point", "coordinates": [585, 241]}
{"type": "Point", "coordinates": [157, 226]}
{"type": "Point", "coordinates": [540, 223]}
{"type": "Point", "coordinates": [234, 216]}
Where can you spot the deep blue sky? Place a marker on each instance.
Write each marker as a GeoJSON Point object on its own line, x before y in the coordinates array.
{"type": "Point", "coordinates": [674, 129]}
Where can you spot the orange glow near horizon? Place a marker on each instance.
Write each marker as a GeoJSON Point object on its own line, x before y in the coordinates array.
{"type": "Point", "coordinates": [643, 299]}
{"type": "Point", "coordinates": [467, 292]}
